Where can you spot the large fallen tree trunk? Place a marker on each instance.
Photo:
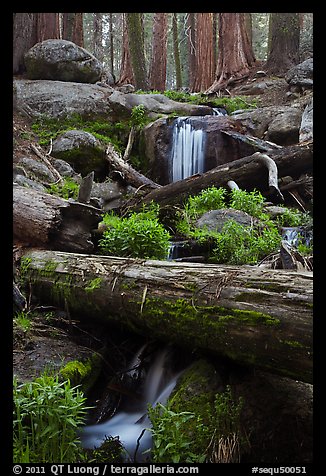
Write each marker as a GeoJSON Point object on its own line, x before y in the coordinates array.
{"type": "Point", "coordinates": [248, 172]}
{"type": "Point", "coordinates": [41, 219]}
{"type": "Point", "coordinates": [252, 315]}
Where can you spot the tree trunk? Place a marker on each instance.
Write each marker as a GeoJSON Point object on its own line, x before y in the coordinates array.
{"type": "Point", "coordinates": [176, 52]}
{"type": "Point", "coordinates": [204, 75]}
{"type": "Point", "coordinates": [191, 27]}
{"type": "Point", "coordinates": [284, 42]}
{"type": "Point", "coordinates": [157, 73]}
{"type": "Point", "coordinates": [126, 73]}
{"type": "Point", "coordinates": [47, 26]}
{"type": "Point", "coordinates": [247, 172]}
{"type": "Point", "coordinates": [41, 219]}
{"type": "Point", "coordinates": [254, 316]}
{"type": "Point", "coordinates": [24, 37]}
{"type": "Point", "coordinates": [137, 49]}
{"type": "Point", "coordinates": [98, 36]}
{"type": "Point", "coordinates": [235, 54]}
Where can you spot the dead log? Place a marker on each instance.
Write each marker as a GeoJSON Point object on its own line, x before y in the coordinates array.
{"type": "Point", "coordinates": [248, 173]}
{"type": "Point", "coordinates": [126, 173]}
{"type": "Point", "coordinates": [252, 315]}
{"type": "Point", "coordinates": [41, 219]}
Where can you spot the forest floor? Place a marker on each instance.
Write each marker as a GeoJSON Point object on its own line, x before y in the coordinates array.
{"type": "Point", "coordinates": [32, 347]}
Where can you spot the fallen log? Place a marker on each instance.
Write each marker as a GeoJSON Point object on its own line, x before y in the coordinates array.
{"type": "Point", "coordinates": [248, 173]}
{"type": "Point", "coordinates": [252, 315]}
{"type": "Point", "coordinates": [126, 173]}
{"type": "Point", "coordinates": [41, 219]}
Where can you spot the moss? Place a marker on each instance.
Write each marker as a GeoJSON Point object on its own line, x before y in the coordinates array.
{"type": "Point", "coordinates": [82, 373]}
{"type": "Point", "coordinates": [293, 344]}
{"type": "Point", "coordinates": [93, 284]}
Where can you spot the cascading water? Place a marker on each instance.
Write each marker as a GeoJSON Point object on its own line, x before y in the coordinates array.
{"type": "Point", "coordinates": [188, 149]}
{"type": "Point", "coordinates": [129, 423]}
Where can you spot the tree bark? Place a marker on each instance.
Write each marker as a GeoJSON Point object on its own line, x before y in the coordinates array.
{"type": "Point", "coordinates": [137, 49]}
{"type": "Point", "coordinates": [157, 73]}
{"type": "Point", "coordinates": [204, 70]}
{"type": "Point", "coordinates": [248, 173]}
{"type": "Point", "coordinates": [47, 26]}
{"type": "Point", "coordinates": [254, 316]}
{"type": "Point", "coordinates": [41, 219]}
{"type": "Point", "coordinates": [178, 80]}
{"type": "Point", "coordinates": [284, 41]}
{"type": "Point", "coordinates": [24, 37]}
{"type": "Point", "coordinates": [126, 73]}
{"type": "Point", "coordinates": [235, 54]}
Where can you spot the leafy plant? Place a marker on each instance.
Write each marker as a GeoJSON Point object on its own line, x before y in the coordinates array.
{"type": "Point", "coordinates": [238, 244]}
{"type": "Point", "coordinates": [22, 321]}
{"type": "Point", "coordinates": [171, 443]}
{"type": "Point", "coordinates": [47, 415]}
{"type": "Point", "coordinates": [68, 189]}
{"type": "Point", "coordinates": [140, 235]}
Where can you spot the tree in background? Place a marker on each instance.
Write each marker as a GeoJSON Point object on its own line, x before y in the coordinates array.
{"type": "Point", "coordinates": [24, 37]}
{"type": "Point", "coordinates": [191, 33]}
{"type": "Point", "coordinates": [176, 51]}
{"type": "Point", "coordinates": [157, 71]}
{"type": "Point", "coordinates": [235, 54]}
{"type": "Point", "coordinates": [72, 28]}
{"type": "Point", "coordinates": [47, 26]}
{"type": "Point", "coordinates": [126, 72]}
{"type": "Point", "coordinates": [204, 52]}
{"type": "Point", "coordinates": [284, 41]}
{"type": "Point", "coordinates": [136, 49]}
{"type": "Point", "coordinates": [98, 36]}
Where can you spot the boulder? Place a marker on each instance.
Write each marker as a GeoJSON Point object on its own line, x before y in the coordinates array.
{"type": "Point", "coordinates": [82, 150]}
{"type": "Point", "coordinates": [274, 123]}
{"type": "Point", "coordinates": [92, 101]}
{"type": "Point", "coordinates": [110, 194]}
{"type": "Point", "coordinates": [34, 169]}
{"type": "Point", "coordinates": [58, 99]}
{"type": "Point", "coordinates": [156, 104]}
{"type": "Point", "coordinates": [62, 60]}
{"type": "Point", "coordinates": [307, 123]}
{"type": "Point", "coordinates": [301, 75]}
{"type": "Point", "coordinates": [214, 220]}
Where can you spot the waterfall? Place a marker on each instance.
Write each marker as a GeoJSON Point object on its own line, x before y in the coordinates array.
{"type": "Point", "coordinates": [129, 423]}
{"type": "Point", "coordinates": [188, 147]}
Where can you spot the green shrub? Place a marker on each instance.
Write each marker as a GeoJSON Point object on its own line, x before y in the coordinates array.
{"type": "Point", "coordinates": [66, 189]}
{"type": "Point", "coordinates": [171, 442]}
{"type": "Point", "coordinates": [47, 416]}
{"type": "Point", "coordinates": [140, 235]}
{"type": "Point", "coordinates": [183, 437]}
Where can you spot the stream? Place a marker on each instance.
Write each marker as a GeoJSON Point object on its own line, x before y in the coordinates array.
{"type": "Point", "coordinates": [131, 423]}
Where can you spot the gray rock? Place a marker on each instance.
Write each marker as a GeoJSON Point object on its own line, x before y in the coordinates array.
{"type": "Point", "coordinates": [301, 75]}
{"type": "Point", "coordinates": [64, 168]}
{"type": "Point", "coordinates": [62, 60]}
{"type": "Point", "coordinates": [307, 123]}
{"type": "Point", "coordinates": [82, 150]}
{"type": "Point", "coordinates": [36, 170]}
{"type": "Point", "coordinates": [111, 194]}
{"type": "Point", "coordinates": [60, 99]}
{"type": "Point", "coordinates": [279, 124]}
{"type": "Point", "coordinates": [214, 220]}
{"type": "Point", "coordinates": [26, 182]}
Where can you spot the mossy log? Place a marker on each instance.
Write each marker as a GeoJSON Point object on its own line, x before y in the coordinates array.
{"type": "Point", "coordinates": [252, 315]}
{"type": "Point", "coordinates": [41, 219]}
{"type": "Point", "coordinates": [248, 172]}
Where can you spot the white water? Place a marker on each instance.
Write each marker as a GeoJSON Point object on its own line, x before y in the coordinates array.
{"type": "Point", "coordinates": [188, 147]}
{"type": "Point", "coordinates": [129, 424]}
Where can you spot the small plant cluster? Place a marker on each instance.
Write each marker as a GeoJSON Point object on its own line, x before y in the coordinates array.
{"type": "Point", "coordinates": [47, 416]}
{"type": "Point", "coordinates": [236, 243]}
{"type": "Point", "coordinates": [185, 437]}
{"type": "Point", "coordinates": [66, 189]}
{"type": "Point", "coordinates": [139, 235]}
